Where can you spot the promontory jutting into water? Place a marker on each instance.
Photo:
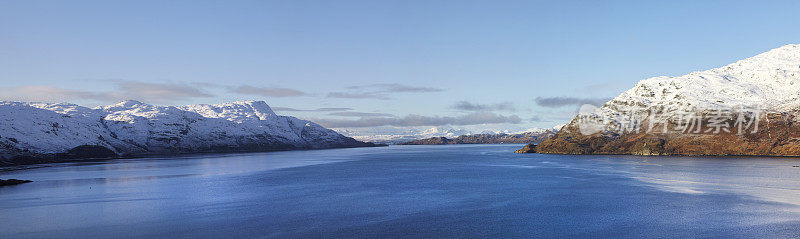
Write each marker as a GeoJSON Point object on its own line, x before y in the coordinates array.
{"type": "Point", "coordinates": [416, 191]}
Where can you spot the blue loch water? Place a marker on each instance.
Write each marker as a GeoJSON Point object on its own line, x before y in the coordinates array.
{"type": "Point", "coordinates": [406, 191]}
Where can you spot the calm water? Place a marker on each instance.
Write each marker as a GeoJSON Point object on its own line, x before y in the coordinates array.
{"type": "Point", "coordinates": [406, 191]}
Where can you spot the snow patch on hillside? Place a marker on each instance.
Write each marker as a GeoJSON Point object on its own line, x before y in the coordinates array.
{"type": "Point", "coordinates": [133, 127]}
{"type": "Point", "coordinates": [767, 82]}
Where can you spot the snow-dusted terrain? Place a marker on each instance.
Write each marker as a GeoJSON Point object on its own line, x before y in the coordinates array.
{"type": "Point", "coordinates": [768, 82]}
{"type": "Point", "coordinates": [749, 107]}
{"type": "Point", "coordinates": [396, 135]}
{"type": "Point", "coordinates": [134, 128]}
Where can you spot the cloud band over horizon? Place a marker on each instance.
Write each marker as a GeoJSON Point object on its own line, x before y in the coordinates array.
{"type": "Point", "coordinates": [556, 102]}
{"type": "Point", "coordinates": [419, 120]}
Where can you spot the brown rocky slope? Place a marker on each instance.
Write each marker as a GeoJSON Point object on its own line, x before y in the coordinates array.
{"type": "Point", "coordinates": [778, 135]}
{"type": "Point", "coordinates": [749, 107]}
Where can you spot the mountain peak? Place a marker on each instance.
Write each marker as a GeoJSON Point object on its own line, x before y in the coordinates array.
{"type": "Point", "coordinates": [126, 104]}
{"type": "Point", "coordinates": [238, 111]}
{"type": "Point", "coordinates": [765, 87]}
{"type": "Point", "coordinates": [768, 81]}
{"type": "Point", "coordinates": [259, 106]}
{"type": "Point", "coordinates": [132, 127]}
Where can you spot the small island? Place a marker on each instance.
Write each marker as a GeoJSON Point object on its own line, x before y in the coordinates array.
{"type": "Point", "coordinates": [10, 182]}
{"type": "Point", "coordinates": [529, 148]}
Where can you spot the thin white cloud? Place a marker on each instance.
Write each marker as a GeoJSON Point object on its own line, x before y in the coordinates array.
{"type": "Point", "coordinates": [468, 106]}
{"type": "Point", "coordinates": [419, 120]}
{"type": "Point", "coordinates": [367, 95]}
{"type": "Point", "coordinates": [395, 88]}
{"type": "Point", "coordinates": [267, 91]}
{"type": "Point", "coordinates": [160, 92]}
{"type": "Point", "coordinates": [379, 91]}
{"type": "Point", "coordinates": [361, 114]}
{"type": "Point", "coordinates": [157, 93]}
{"type": "Point", "coordinates": [40, 93]}
{"type": "Point", "coordinates": [556, 102]}
{"type": "Point", "coordinates": [288, 109]}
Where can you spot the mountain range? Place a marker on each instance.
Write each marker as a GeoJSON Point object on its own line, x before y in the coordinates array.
{"type": "Point", "coordinates": [399, 135]}
{"type": "Point", "coordinates": [43, 132]}
{"type": "Point", "coordinates": [532, 137]}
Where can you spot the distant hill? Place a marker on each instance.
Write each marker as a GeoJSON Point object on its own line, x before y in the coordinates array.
{"type": "Point", "coordinates": [521, 138]}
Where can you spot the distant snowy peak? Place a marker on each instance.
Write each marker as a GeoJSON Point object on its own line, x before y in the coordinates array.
{"type": "Point", "coordinates": [538, 130]}
{"type": "Point", "coordinates": [444, 132]}
{"type": "Point", "coordinates": [239, 111]}
{"type": "Point", "coordinates": [125, 105]}
{"type": "Point", "coordinates": [411, 134]}
{"type": "Point", "coordinates": [768, 81]}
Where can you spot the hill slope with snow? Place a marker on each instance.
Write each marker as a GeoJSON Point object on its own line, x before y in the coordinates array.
{"type": "Point", "coordinates": [701, 113]}
{"type": "Point", "coordinates": [769, 81]}
{"type": "Point", "coordinates": [39, 132]}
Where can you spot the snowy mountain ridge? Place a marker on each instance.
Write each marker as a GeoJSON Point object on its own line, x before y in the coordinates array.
{"type": "Point", "coordinates": [394, 135]}
{"type": "Point", "coordinates": [132, 128]}
{"type": "Point", "coordinates": [768, 81]}
{"type": "Point", "coordinates": [749, 107]}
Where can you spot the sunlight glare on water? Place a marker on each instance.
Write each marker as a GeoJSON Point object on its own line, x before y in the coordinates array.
{"type": "Point", "coordinates": [405, 191]}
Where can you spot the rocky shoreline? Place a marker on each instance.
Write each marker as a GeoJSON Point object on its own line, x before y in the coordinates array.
{"type": "Point", "coordinates": [777, 136]}
{"type": "Point", "coordinates": [11, 182]}
{"type": "Point", "coordinates": [529, 148]}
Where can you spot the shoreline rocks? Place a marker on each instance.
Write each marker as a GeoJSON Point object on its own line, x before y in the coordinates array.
{"type": "Point", "coordinates": [747, 108]}
{"type": "Point", "coordinates": [10, 182]}
{"type": "Point", "coordinates": [528, 149]}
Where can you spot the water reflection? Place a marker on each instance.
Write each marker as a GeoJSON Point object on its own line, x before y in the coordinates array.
{"type": "Point", "coordinates": [415, 191]}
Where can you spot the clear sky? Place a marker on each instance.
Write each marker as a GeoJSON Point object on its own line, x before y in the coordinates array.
{"type": "Point", "coordinates": [373, 63]}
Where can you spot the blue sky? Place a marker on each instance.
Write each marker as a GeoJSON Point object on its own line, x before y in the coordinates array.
{"type": "Point", "coordinates": [474, 64]}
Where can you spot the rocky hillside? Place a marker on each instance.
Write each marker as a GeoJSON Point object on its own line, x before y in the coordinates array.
{"type": "Point", "coordinates": [39, 132]}
{"type": "Point", "coordinates": [523, 138]}
{"type": "Point", "coordinates": [746, 108]}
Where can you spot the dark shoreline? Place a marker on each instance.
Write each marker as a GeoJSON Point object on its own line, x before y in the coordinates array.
{"type": "Point", "coordinates": [12, 182]}
{"type": "Point", "coordinates": [681, 155]}
{"type": "Point", "coordinates": [29, 162]}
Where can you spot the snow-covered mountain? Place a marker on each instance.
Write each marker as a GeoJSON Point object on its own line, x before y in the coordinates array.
{"type": "Point", "coordinates": [50, 131]}
{"type": "Point", "coordinates": [532, 136]}
{"type": "Point", "coordinates": [769, 81]}
{"type": "Point", "coordinates": [765, 88]}
{"type": "Point", "coordinates": [394, 135]}
{"type": "Point", "coordinates": [444, 132]}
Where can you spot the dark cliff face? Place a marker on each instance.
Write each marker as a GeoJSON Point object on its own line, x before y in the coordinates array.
{"type": "Point", "coordinates": [778, 135]}
{"type": "Point", "coordinates": [15, 157]}
{"type": "Point", "coordinates": [524, 138]}
{"type": "Point", "coordinates": [11, 182]}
